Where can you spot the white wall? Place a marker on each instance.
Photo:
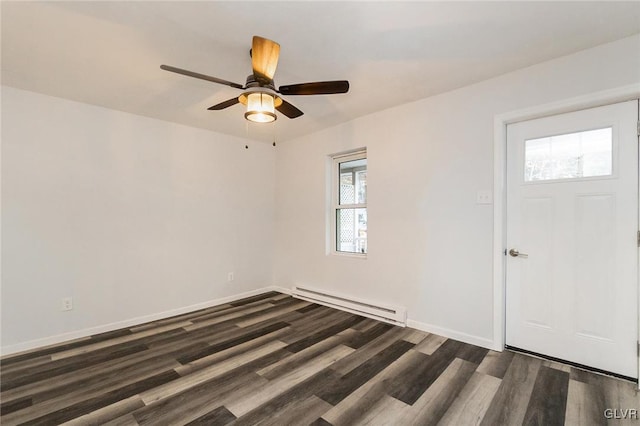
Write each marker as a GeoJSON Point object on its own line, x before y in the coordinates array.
{"type": "Point", "coordinates": [135, 217]}
{"type": "Point", "coordinates": [128, 215]}
{"type": "Point", "coordinates": [430, 244]}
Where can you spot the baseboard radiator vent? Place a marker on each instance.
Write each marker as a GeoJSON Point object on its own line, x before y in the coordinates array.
{"type": "Point", "coordinates": [396, 315]}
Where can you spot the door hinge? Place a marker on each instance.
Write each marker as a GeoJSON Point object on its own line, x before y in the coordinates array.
{"type": "Point", "coordinates": [638, 238]}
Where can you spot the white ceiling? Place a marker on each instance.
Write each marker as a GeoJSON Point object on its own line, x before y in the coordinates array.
{"type": "Point", "coordinates": [109, 53]}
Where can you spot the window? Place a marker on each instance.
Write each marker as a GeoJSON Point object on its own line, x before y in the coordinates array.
{"type": "Point", "coordinates": [349, 203]}
{"type": "Point", "coordinates": [569, 156]}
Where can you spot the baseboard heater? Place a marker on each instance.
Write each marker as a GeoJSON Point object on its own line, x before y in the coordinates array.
{"type": "Point", "coordinates": [388, 313]}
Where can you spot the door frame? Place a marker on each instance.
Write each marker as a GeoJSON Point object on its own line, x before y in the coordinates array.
{"type": "Point", "coordinates": [620, 94]}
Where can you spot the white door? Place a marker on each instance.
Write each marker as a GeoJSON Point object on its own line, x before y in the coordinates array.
{"type": "Point", "coordinates": [572, 249]}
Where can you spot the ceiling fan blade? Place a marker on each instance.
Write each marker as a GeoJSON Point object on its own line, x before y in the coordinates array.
{"type": "Point", "coordinates": [223, 105]}
{"type": "Point", "coordinates": [264, 58]}
{"type": "Point", "coordinates": [201, 76]}
{"type": "Point", "coordinates": [317, 88]}
{"type": "Point", "coordinates": [289, 110]}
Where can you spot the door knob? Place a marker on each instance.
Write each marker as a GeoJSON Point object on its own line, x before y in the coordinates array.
{"type": "Point", "coordinates": [516, 253]}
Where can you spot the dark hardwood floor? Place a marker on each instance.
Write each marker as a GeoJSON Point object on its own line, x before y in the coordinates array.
{"type": "Point", "coordinates": [275, 360]}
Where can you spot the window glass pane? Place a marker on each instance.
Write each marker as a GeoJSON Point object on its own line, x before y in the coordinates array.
{"type": "Point", "coordinates": [353, 182]}
{"type": "Point", "coordinates": [351, 230]}
{"type": "Point", "coordinates": [574, 155]}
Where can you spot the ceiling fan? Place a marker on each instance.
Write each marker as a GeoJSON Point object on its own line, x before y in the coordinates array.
{"type": "Point", "coordinates": [260, 95]}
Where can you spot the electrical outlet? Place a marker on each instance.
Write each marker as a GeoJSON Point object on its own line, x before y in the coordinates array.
{"type": "Point", "coordinates": [230, 277]}
{"type": "Point", "coordinates": [67, 304]}
{"type": "Point", "coordinates": [484, 197]}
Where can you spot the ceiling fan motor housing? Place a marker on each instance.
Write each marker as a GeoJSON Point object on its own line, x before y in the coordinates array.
{"type": "Point", "coordinates": [252, 81]}
{"type": "Point", "coordinates": [253, 86]}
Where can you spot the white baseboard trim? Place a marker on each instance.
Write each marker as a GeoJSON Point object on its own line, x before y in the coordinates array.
{"type": "Point", "coordinates": [452, 334]}
{"type": "Point", "coordinates": [84, 333]}
{"type": "Point", "coordinates": [278, 289]}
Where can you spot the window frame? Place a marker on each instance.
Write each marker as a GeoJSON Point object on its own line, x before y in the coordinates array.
{"type": "Point", "coordinates": [335, 206]}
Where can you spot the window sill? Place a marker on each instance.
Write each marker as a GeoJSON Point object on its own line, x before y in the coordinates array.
{"type": "Point", "coordinates": [362, 256]}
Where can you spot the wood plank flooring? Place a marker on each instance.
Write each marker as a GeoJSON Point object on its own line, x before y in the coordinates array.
{"type": "Point", "coordinates": [275, 360]}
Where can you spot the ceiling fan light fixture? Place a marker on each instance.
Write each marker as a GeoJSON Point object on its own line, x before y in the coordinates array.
{"type": "Point", "coordinates": [260, 108]}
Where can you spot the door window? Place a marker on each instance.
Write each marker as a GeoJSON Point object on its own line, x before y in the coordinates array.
{"type": "Point", "coordinates": [569, 156]}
